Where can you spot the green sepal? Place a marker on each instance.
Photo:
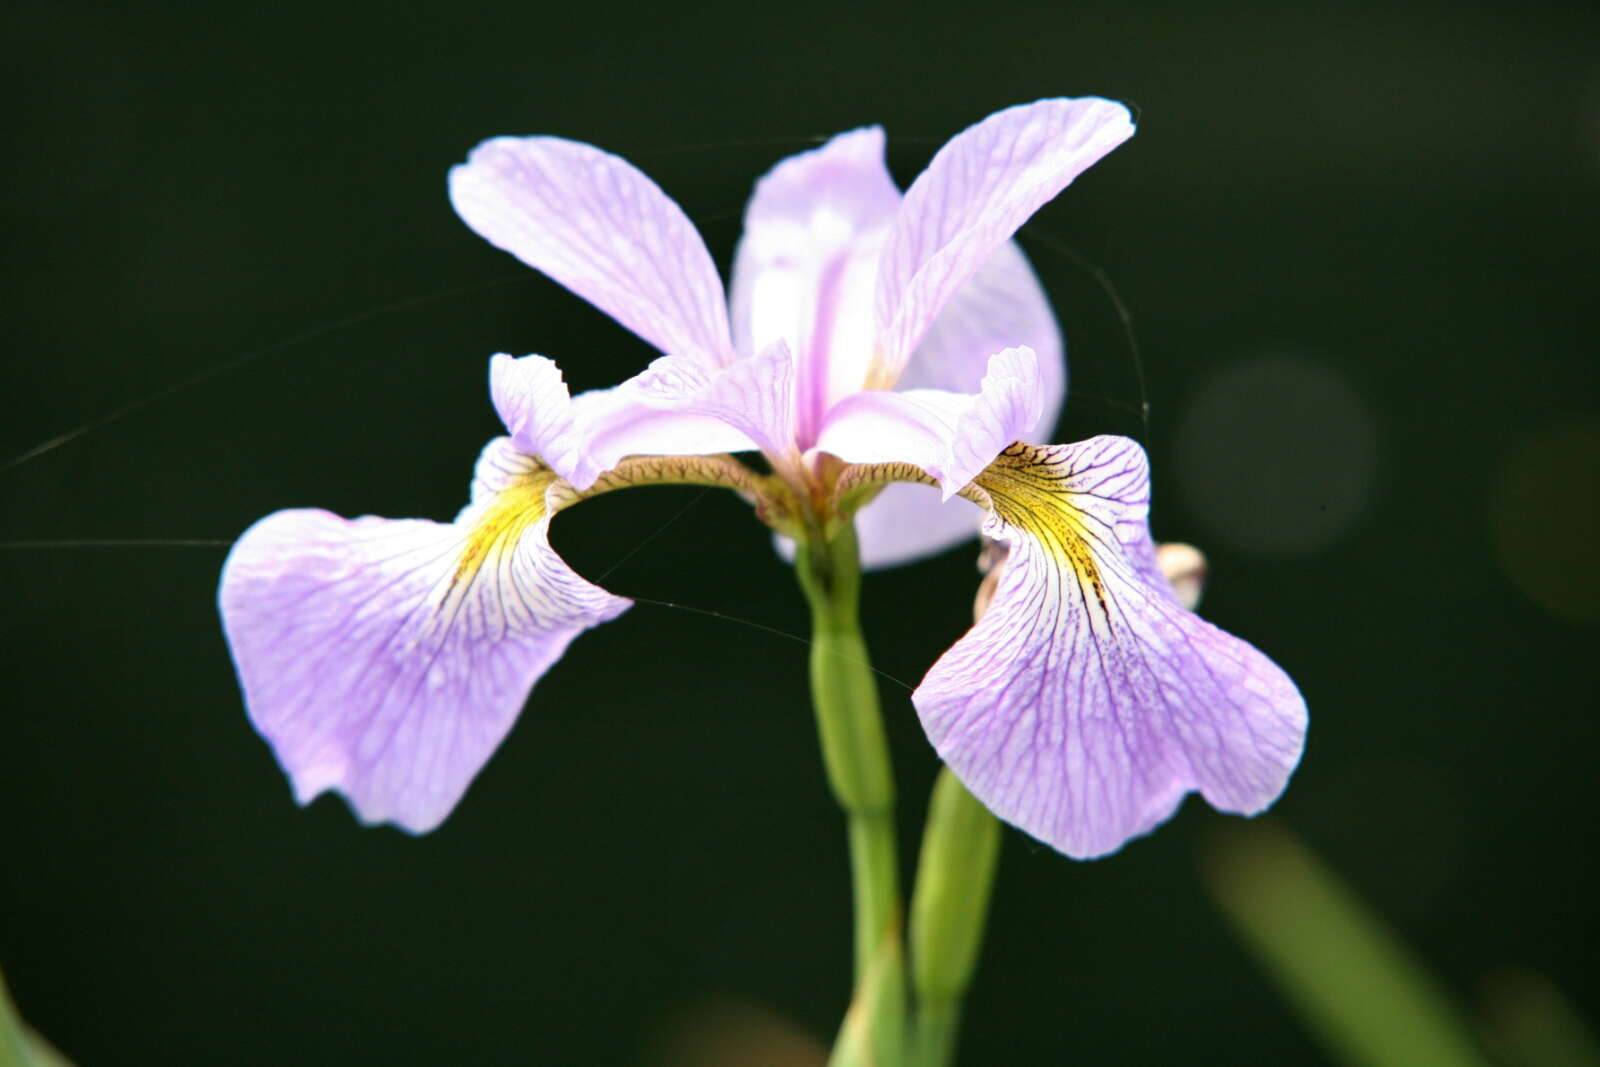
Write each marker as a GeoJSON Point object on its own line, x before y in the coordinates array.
{"type": "Point", "coordinates": [949, 908]}
{"type": "Point", "coordinates": [955, 873]}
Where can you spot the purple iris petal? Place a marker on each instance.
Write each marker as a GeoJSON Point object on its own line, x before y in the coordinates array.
{"type": "Point", "coordinates": [804, 269]}
{"type": "Point", "coordinates": [907, 522]}
{"type": "Point", "coordinates": [675, 408]}
{"type": "Point", "coordinates": [834, 263]}
{"type": "Point", "coordinates": [531, 398]}
{"type": "Point", "coordinates": [1086, 702]}
{"type": "Point", "coordinates": [597, 225]}
{"type": "Point", "coordinates": [1002, 305]}
{"type": "Point", "coordinates": [818, 220]}
{"type": "Point", "coordinates": [979, 188]}
{"type": "Point", "coordinates": [950, 435]}
{"type": "Point", "coordinates": [387, 658]}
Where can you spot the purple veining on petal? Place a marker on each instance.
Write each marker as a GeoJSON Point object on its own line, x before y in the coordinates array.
{"type": "Point", "coordinates": [675, 408]}
{"type": "Point", "coordinates": [531, 398]}
{"type": "Point", "coordinates": [949, 435]}
{"type": "Point", "coordinates": [1007, 408]}
{"type": "Point", "coordinates": [596, 224]}
{"type": "Point", "coordinates": [1087, 702]}
{"type": "Point", "coordinates": [805, 266]}
{"type": "Point", "coordinates": [979, 188]}
{"type": "Point", "coordinates": [1002, 305]}
{"type": "Point", "coordinates": [387, 659]}
{"type": "Point", "coordinates": [812, 387]}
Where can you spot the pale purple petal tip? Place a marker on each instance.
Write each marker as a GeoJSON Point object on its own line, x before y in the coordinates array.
{"type": "Point", "coordinates": [1086, 702]}
{"type": "Point", "coordinates": [386, 659]}
{"type": "Point", "coordinates": [952, 437]}
{"type": "Point", "coordinates": [600, 227]}
{"type": "Point", "coordinates": [1006, 408]}
{"type": "Point", "coordinates": [531, 398]}
{"type": "Point", "coordinates": [976, 192]}
{"type": "Point", "coordinates": [676, 408]}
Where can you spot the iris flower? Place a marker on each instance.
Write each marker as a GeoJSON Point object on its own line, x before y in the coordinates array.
{"type": "Point", "coordinates": [886, 353]}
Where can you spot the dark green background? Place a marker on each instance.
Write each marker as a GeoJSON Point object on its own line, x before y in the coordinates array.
{"type": "Point", "coordinates": [1404, 199]}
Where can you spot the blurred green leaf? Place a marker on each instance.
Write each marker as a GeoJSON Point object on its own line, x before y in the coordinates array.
{"type": "Point", "coordinates": [1530, 1022]}
{"type": "Point", "coordinates": [1363, 993]}
{"type": "Point", "coordinates": [19, 1045]}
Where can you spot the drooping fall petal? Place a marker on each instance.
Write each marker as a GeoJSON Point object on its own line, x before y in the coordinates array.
{"type": "Point", "coordinates": [1087, 702]}
{"type": "Point", "coordinates": [386, 659]}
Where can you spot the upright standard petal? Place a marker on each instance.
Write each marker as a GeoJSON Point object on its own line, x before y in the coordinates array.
{"type": "Point", "coordinates": [386, 659]}
{"type": "Point", "coordinates": [600, 227]}
{"type": "Point", "coordinates": [950, 436]}
{"type": "Point", "coordinates": [806, 265]}
{"type": "Point", "coordinates": [1087, 702]}
{"type": "Point", "coordinates": [907, 522]}
{"type": "Point", "coordinates": [1003, 304]}
{"type": "Point", "coordinates": [976, 192]}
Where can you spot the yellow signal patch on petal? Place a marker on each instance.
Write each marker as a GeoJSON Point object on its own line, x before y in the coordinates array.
{"type": "Point", "coordinates": [515, 491]}
{"type": "Point", "coordinates": [516, 506]}
{"type": "Point", "coordinates": [1087, 701]}
{"type": "Point", "coordinates": [1030, 487]}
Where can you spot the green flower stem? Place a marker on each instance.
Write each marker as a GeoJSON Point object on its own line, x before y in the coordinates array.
{"type": "Point", "coordinates": [937, 1027]}
{"type": "Point", "coordinates": [949, 907]}
{"type": "Point", "coordinates": [856, 757]}
{"type": "Point", "coordinates": [875, 883]}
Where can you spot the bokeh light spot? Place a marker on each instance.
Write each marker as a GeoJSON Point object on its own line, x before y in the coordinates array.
{"type": "Point", "coordinates": [1276, 454]}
